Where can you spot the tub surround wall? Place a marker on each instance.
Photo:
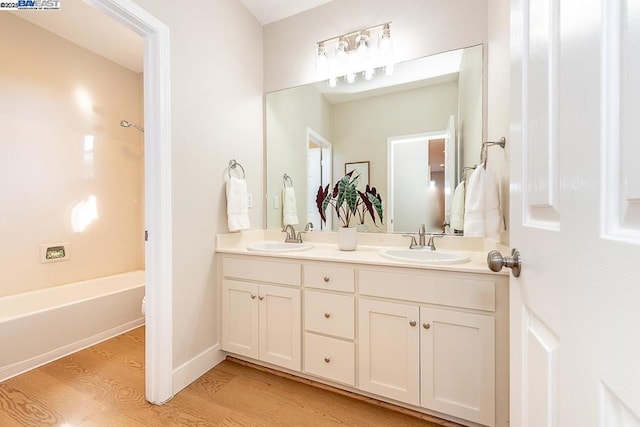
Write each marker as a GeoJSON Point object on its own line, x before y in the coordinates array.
{"type": "Point", "coordinates": [63, 151]}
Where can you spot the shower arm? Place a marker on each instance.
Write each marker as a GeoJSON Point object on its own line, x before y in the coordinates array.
{"type": "Point", "coordinates": [126, 124]}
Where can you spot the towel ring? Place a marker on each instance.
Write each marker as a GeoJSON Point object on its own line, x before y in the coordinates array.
{"type": "Point", "coordinates": [484, 152]}
{"type": "Point", "coordinates": [232, 165]}
{"type": "Point", "coordinates": [467, 169]}
{"type": "Point", "coordinates": [287, 179]}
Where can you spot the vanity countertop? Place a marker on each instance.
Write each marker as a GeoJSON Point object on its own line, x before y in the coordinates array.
{"type": "Point", "coordinates": [367, 252]}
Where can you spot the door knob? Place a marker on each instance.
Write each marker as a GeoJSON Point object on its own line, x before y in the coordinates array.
{"type": "Point", "coordinates": [496, 261]}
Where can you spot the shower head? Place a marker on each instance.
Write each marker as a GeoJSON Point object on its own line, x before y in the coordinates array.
{"type": "Point", "coordinates": [126, 124]}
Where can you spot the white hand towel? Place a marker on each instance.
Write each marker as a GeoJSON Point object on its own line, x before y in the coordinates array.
{"type": "Point", "coordinates": [237, 205]}
{"type": "Point", "coordinates": [457, 208]}
{"type": "Point", "coordinates": [482, 214]}
{"type": "Point", "coordinates": [289, 207]}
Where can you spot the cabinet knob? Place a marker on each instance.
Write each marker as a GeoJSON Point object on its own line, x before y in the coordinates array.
{"type": "Point", "coordinates": [413, 323]}
{"type": "Point", "coordinates": [327, 359]}
{"type": "Point", "coordinates": [426, 325]}
{"type": "Point", "coordinates": [326, 279]}
{"type": "Point", "coordinates": [261, 298]}
{"type": "Point", "coordinates": [327, 315]}
{"type": "Point", "coordinates": [253, 296]}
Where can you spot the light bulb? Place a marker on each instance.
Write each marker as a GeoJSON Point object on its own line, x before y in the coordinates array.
{"type": "Point", "coordinates": [321, 57]}
{"type": "Point", "coordinates": [362, 45]}
{"type": "Point", "coordinates": [388, 70]}
{"type": "Point", "coordinates": [341, 52]}
{"type": "Point", "coordinates": [350, 77]}
{"type": "Point", "coordinates": [333, 81]}
{"type": "Point", "coordinates": [385, 40]}
{"type": "Point", "coordinates": [368, 74]}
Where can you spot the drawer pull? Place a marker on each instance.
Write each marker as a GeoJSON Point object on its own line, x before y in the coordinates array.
{"type": "Point", "coordinates": [327, 315]}
{"type": "Point", "coordinates": [261, 298]}
{"type": "Point", "coordinates": [426, 325]}
{"type": "Point", "coordinates": [327, 359]}
{"type": "Point", "coordinates": [413, 323]}
{"type": "Point", "coordinates": [253, 296]}
{"type": "Point", "coordinates": [326, 279]}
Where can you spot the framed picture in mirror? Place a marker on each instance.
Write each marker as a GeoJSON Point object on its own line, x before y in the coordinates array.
{"type": "Point", "coordinates": [362, 169]}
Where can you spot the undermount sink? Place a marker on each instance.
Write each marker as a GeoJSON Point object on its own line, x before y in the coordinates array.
{"type": "Point", "coordinates": [423, 256]}
{"type": "Point", "coordinates": [278, 247]}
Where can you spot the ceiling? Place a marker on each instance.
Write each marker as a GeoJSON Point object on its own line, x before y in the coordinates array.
{"type": "Point", "coordinates": [268, 11]}
{"type": "Point", "coordinates": [85, 26]}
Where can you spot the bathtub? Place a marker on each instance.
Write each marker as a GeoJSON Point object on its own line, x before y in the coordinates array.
{"type": "Point", "coordinates": [41, 326]}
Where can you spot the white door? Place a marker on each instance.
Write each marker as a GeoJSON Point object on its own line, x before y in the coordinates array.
{"type": "Point", "coordinates": [389, 359]}
{"type": "Point", "coordinates": [314, 181]}
{"type": "Point", "coordinates": [575, 213]}
{"type": "Point", "coordinates": [280, 330]}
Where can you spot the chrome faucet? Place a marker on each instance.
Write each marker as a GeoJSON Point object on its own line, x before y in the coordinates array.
{"type": "Point", "coordinates": [293, 236]}
{"type": "Point", "coordinates": [422, 242]}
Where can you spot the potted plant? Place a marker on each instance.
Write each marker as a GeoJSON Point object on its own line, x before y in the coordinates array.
{"type": "Point", "coordinates": [349, 203]}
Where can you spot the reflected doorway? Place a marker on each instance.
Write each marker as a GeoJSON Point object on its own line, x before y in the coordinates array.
{"type": "Point", "coordinates": [417, 189]}
{"type": "Point", "coordinates": [319, 155]}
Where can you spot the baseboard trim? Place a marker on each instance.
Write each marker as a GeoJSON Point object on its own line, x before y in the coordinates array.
{"type": "Point", "coordinates": [193, 369]}
{"type": "Point", "coordinates": [23, 366]}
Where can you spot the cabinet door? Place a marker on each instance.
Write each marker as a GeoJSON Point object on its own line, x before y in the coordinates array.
{"type": "Point", "coordinates": [240, 318]}
{"type": "Point", "coordinates": [458, 364]}
{"type": "Point", "coordinates": [389, 350]}
{"type": "Point", "coordinates": [280, 329]}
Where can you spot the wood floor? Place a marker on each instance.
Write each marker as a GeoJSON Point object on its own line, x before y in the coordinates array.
{"type": "Point", "coordinates": [104, 386]}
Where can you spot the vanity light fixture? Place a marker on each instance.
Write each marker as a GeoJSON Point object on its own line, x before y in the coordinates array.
{"type": "Point", "coordinates": [354, 55]}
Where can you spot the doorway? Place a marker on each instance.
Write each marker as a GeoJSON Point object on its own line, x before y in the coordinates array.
{"type": "Point", "coordinates": [157, 184]}
{"type": "Point", "coordinates": [416, 169]}
{"type": "Point", "coordinates": [319, 154]}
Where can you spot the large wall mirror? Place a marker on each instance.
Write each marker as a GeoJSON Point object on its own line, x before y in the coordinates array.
{"type": "Point", "coordinates": [414, 132]}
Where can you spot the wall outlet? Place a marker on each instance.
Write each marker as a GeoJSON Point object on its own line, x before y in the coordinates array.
{"type": "Point", "coordinates": [54, 252]}
{"type": "Point", "coordinates": [249, 200]}
{"type": "Point", "coordinates": [276, 202]}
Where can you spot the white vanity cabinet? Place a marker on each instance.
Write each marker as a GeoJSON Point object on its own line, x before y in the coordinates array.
{"type": "Point", "coordinates": [435, 356]}
{"type": "Point", "coordinates": [431, 340]}
{"type": "Point", "coordinates": [261, 320]}
{"type": "Point", "coordinates": [329, 322]}
{"type": "Point", "coordinates": [389, 350]}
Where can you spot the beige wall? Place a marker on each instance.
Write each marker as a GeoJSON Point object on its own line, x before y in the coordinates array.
{"type": "Point", "coordinates": [419, 28]}
{"type": "Point", "coordinates": [288, 114]}
{"type": "Point", "coordinates": [470, 106]}
{"type": "Point", "coordinates": [498, 99]}
{"type": "Point", "coordinates": [360, 128]}
{"type": "Point", "coordinates": [216, 115]}
{"type": "Point", "coordinates": [53, 96]}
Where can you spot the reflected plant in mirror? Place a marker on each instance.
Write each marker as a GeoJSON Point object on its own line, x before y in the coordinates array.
{"type": "Point", "coordinates": [418, 128]}
{"type": "Point", "coordinates": [350, 203]}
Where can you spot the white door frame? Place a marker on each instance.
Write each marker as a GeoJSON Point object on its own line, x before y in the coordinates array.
{"type": "Point", "coordinates": [327, 155]}
{"type": "Point", "coordinates": [392, 141]}
{"type": "Point", "coordinates": [157, 147]}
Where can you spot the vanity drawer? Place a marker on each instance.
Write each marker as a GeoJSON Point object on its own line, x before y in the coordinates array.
{"type": "Point", "coordinates": [466, 291]}
{"type": "Point", "coordinates": [285, 273]}
{"type": "Point", "coordinates": [329, 277]}
{"type": "Point", "coordinates": [329, 314]}
{"type": "Point", "coordinates": [330, 358]}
